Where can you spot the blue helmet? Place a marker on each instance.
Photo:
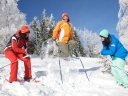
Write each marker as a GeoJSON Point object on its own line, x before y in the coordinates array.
{"type": "Point", "coordinates": [104, 33]}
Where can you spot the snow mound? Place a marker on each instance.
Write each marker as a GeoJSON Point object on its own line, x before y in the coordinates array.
{"type": "Point", "coordinates": [50, 77]}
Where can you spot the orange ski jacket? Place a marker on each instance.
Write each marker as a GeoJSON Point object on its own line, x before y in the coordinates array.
{"type": "Point", "coordinates": [63, 32]}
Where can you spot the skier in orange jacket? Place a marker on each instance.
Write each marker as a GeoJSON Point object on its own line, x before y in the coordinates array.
{"type": "Point", "coordinates": [63, 30]}
{"type": "Point", "coordinates": [16, 49]}
{"type": "Point", "coordinates": [63, 35]}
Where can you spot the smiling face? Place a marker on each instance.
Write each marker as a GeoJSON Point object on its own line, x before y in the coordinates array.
{"type": "Point", "coordinates": [65, 18]}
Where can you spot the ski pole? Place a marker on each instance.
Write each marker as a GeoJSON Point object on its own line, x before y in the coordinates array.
{"type": "Point", "coordinates": [4, 66]}
{"type": "Point", "coordinates": [84, 69]}
{"type": "Point", "coordinates": [61, 76]}
{"type": "Point", "coordinates": [13, 62]}
{"type": "Point", "coordinates": [60, 72]}
{"type": "Point", "coordinates": [7, 65]}
{"type": "Point", "coordinates": [83, 66]}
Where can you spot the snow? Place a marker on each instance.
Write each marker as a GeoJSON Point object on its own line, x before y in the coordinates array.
{"type": "Point", "coordinates": [75, 82]}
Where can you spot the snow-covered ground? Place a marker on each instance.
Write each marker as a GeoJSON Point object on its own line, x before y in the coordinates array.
{"type": "Point", "coordinates": [75, 82]}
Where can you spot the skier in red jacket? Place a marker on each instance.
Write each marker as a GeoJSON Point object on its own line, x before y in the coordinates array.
{"type": "Point", "coordinates": [16, 49]}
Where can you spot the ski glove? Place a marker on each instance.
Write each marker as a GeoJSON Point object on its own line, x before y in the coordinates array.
{"type": "Point", "coordinates": [54, 42]}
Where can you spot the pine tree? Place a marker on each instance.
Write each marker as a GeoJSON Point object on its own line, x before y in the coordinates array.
{"type": "Point", "coordinates": [41, 31]}
{"type": "Point", "coordinates": [47, 25]}
{"type": "Point", "coordinates": [34, 36]}
{"type": "Point", "coordinates": [50, 25]}
{"type": "Point", "coordinates": [80, 49]}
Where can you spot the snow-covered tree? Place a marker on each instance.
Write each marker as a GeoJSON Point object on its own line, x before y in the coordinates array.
{"type": "Point", "coordinates": [47, 25]}
{"type": "Point", "coordinates": [34, 36]}
{"type": "Point", "coordinates": [41, 31]}
{"type": "Point", "coordinates": [79, 46]}
{"type": "Point", "coordinates": [11, 20]}
{"type": "Point", "coordinates": [90, 41]}
{"type": "Point", "coordinates": [50, 25]}
{"type": "Point", "coordinates": [122, 25]}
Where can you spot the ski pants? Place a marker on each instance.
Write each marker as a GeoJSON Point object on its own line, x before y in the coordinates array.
{"type": "Point", "coordinates": [65, 49]}
{"type": "Point", "coordinates": [13, 57]}
{"type": "Point", "coordinates": [117, 70]}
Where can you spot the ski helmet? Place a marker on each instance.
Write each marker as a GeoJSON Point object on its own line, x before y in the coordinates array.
{"type": "Point", "coordinates": [104, 33]}
{"type": "Point", "coordinates": [25, 29]}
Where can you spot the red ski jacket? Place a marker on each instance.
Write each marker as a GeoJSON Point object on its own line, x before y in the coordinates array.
{"type": "Point", "coordinates": [17, 44]}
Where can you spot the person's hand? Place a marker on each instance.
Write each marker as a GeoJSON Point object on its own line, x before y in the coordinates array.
{"type": "Point", "coordinates": [54, 42]}
{"type": "Point", "coordinates": [96, 51]}
{"type": "Point", "coordinates": [26, 56]}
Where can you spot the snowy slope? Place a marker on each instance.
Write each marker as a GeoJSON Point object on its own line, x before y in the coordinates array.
{"type": "Point", "coordinates": [75, 82]}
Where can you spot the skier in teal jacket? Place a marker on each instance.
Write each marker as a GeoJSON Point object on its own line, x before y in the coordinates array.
{"type": "Point", "coordinates": [113, 47]}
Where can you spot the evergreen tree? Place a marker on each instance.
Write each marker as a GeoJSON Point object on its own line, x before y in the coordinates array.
{"type": "Point", "coordinates": [50, 26]}
{"type": "Point", "coordinates": [80, 49]}
{"type": "Point", "coordinates": [34, 36]}
{"type": "Point", "coordinates": [47, 24]}
{"type": "Point", "coordinates": [41, 31]}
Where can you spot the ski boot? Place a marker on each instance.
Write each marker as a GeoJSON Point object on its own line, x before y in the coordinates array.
{"type": "Point", "coordinates": [27, 79]}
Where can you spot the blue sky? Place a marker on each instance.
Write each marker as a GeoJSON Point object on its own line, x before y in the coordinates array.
{"type": "Point", "coordinates": [91, 14]}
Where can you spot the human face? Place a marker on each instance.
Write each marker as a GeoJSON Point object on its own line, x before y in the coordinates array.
{"type": "Point", "coordinates": [102, 39]}
{"type": "Point", "coordinates": [24, 35]}
{"type": "Point", "coordinates": [65, 18]}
